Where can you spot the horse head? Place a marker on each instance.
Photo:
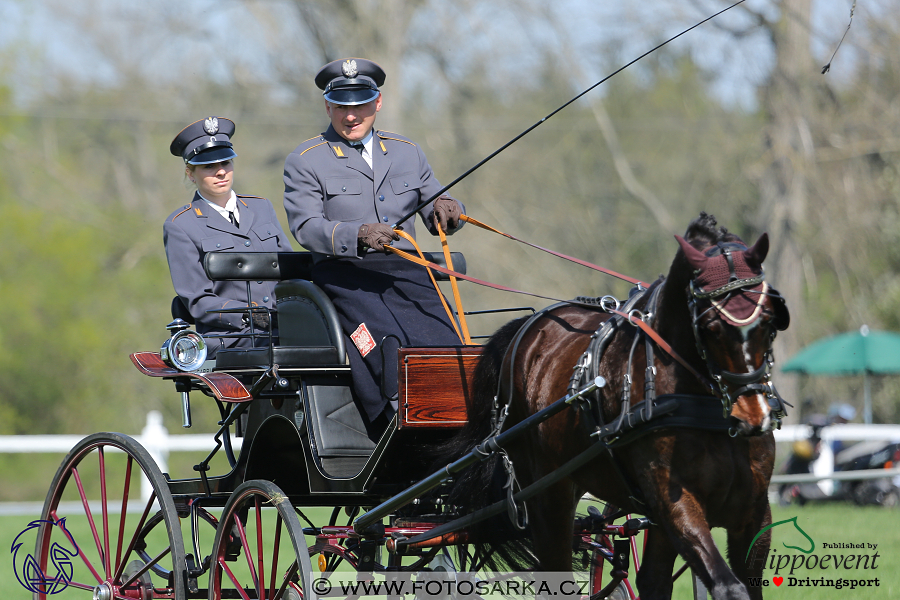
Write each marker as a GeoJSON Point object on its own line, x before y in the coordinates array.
{"type": "Point", "coordinates": [735, 316]}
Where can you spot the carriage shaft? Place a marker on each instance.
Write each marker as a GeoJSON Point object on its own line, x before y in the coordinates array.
{"type": "Point", "coordinates": [481, 452]}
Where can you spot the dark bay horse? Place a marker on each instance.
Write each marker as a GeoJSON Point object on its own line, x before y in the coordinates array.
{"type": "Point", "coordinates": [720, 317]}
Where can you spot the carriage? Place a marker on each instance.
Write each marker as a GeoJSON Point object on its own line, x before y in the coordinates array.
{"type": "Point", "coordinates": [303, 449]}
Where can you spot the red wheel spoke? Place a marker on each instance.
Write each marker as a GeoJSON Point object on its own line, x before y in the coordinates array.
{"type": "Point", "coordinates": [124, 508]}
{"type": "Point", "coordinates": [233, 579]}
{"type": "Point", "coordinates": [246, 546]}
{"type": "Point", "coordinates": [146, 567]}
{"type": "Point", "coordinates": [90, 517]}
{"type": "Point", "coordinates": [80, 586]}
{"type": "Point", "coordinates": [105, 512]}
{"type": "Point", "coordinates": [275, 556]}
{"type": "Point", "coordinates": [260, 584]}
{"type": "Point", "coordinates": [134, 538]}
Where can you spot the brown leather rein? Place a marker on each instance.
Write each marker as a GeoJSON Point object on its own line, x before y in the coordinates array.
{"type": "Point", "coordinates": [464, 336]}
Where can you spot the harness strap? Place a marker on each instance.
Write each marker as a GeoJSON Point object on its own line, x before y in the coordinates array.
{"type": "Point", "coordinates": [664, 345]}
{"type": "Point", "coordinates": [544, 482]}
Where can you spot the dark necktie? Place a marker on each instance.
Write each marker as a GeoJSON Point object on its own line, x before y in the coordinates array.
{"type": "Point", "coordinates": [233, 219]}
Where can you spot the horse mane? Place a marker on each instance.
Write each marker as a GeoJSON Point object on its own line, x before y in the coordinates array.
{"type": "Point", "coordinates": [478, 422]}
{"type": "Point", "coordinates": [704, 231]}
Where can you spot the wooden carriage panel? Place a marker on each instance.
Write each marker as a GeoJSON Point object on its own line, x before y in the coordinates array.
{"type": "Point", "coordinates": [434, 384]}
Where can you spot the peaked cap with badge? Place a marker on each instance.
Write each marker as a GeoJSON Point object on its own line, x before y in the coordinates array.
{"type": "Point", "coordinates": [205, 142]}
{"type": "Point", "coordinates": [350, 81]}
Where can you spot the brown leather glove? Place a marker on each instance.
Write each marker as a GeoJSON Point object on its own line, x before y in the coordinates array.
{"type": "Point", "coordinates": [376, 235]}
{"type": "Point", "coordinates": [446, 212]}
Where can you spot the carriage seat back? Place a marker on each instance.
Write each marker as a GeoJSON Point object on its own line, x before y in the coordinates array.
{"type": "Point", "coordinates": [257, 266]}
{"type": "Point", "coordinates": [307, 318]}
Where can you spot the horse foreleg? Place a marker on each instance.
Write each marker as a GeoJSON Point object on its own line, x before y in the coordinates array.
{"type": "Point", "coordinates": [654, 578]}
{"type": "Point", "coordinates": [747, 563]}
{"type": "Point", "coordinates": [690, 535]}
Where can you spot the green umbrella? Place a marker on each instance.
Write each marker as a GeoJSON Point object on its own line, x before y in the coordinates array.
{"type": "Point", "coordinates": [859, 352]}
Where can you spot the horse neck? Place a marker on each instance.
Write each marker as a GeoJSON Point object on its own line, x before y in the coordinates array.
{"type": "Point", "coordinates": [673, 317]}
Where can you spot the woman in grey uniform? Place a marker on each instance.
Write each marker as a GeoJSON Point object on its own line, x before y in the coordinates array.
{"type": "Point", "coordinates": [218, 220]}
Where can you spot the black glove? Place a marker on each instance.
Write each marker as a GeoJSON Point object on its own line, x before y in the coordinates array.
{"type": "Point", "coordinates": [260, 320]}
{"type": "Point", "coordinates": [446, 212]}
{"type": "Point", "coordinates": [376, 235]}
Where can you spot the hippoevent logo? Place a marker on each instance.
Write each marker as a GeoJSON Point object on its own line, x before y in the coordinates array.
{"type": "Point", "coordinates": [817, 565]}
{"type": "Point", "coordinates": [28, 571]}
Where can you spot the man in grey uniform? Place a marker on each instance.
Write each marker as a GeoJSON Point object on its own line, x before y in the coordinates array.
{"type": "Point", "coordinates": [343, 190]}
{"type": "Point", "coordinates": [218, 220]}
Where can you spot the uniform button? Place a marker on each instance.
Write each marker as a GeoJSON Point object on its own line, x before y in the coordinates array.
{"type": "Point", "coordinates": [381, 197]}
{"type": "Point", "coordinates": [259, 282]}
{"type": "Point", "coordinates": [265, 298]}
{"type": "Point", "coordinates": [343, 248]}
{"type": "Point", "coordinates": [218, 245]}
{"type": "Point", "coordinates": [344, 188]}
{"type": "Point", "coordinates": [247, 243]}
{"type": "Point", "coordinates": [405, 184]}
{"type": "Point", "coordinates": [268, 233]}
{"type": "Point", "coordinates": [384, 219]}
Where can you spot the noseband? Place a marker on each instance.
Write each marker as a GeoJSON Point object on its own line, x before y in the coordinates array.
{"type": "Point", "coordinates": [758, 381]}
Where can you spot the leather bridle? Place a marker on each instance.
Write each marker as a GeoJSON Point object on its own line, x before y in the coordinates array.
{"type": "Point", "coordinates": [758, 381]}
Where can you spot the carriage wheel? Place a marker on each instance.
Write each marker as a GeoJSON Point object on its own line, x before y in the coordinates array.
{"type": "Point", "coordinates": [593, 555]}
{"type": "Point", "coordinates": [96, 536]}
{"type": "Point", "coordinates": [259, 550]}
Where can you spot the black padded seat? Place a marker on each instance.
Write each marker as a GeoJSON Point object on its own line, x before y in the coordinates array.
{"type": "Point", "coordinates": [306, 316]}
{"type": "Point", "coordinates": [337, 426]}
{"type": "Point", "coordinates": [283, 356]}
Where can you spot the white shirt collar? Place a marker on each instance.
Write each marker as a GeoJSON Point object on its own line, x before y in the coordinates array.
{"type": "Point", "coordinates": [367, 144]}
{"type": "Point", "coordinates": [230, 206]}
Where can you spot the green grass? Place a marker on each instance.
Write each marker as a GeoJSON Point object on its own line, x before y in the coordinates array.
{"type": "Point", "coordinates": [829, 523]}
{"type": "Point", "coordinates": [823, 523]}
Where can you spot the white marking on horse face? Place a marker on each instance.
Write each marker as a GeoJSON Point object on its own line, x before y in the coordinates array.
{"type": "Point", "coordinates": [745, 346]}
{"type": "Point", "coordinates": [767, 423]}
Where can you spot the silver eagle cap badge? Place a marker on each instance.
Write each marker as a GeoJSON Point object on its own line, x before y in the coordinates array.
{"type": "Point", "coordinates": [211, 125]}
{"type": "Point", "coordinates": [349, 69]}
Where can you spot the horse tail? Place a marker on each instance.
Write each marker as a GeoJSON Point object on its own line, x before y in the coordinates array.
{"type": "Point", "coordinates": [495, 542]}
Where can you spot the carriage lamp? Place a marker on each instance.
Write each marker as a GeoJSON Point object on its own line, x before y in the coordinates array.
{"type": "Point", "coordinates": [185, 350]}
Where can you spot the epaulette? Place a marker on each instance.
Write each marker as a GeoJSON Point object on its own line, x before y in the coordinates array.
{"type": "Point", "coordinates": [387, 135]}
{"type": "Point", "coordinates": [184, 210]}
{"type": "Point", "coordinates": [249, 196]}
{"type": "Point", "coordinates": [316, 140]}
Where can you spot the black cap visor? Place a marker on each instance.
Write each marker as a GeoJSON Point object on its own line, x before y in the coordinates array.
{"type": "Point", "coordinates": [212, 155]}
{"type": "Point", "coordinates": [350, 92]}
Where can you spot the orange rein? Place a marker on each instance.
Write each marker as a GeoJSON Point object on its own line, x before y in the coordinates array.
{"type": "Point", "coordinates": [464, 335]}
{"type": "Point", "coordinates": [453, 275]}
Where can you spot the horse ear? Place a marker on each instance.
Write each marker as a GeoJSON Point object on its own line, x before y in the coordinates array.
{"type": "Point", "coordinates": [694, 257]}
{"type": "Point", "coordinates": [756, 254]}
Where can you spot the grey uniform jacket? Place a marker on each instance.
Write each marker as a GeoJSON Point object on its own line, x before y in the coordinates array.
{"type": "Point", "coordinates": [329, 190]}
{"type": "Point", "coordinates": [192, 231]}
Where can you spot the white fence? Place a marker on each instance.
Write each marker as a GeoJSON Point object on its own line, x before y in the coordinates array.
{"type": "Point", "coordinates": [154, 437]}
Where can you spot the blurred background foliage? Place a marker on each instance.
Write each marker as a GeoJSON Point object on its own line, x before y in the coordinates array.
{"type": "Point", "coordinates": [735, 119]}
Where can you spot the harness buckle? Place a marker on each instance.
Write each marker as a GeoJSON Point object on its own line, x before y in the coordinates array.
{"type": "Point", "coordinates": [635, 313]}
{"type": "Point", "coordinates": [609, 303]}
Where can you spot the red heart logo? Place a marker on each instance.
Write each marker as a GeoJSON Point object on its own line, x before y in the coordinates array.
{"type": "Point", "coordinates": [777, 580]}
